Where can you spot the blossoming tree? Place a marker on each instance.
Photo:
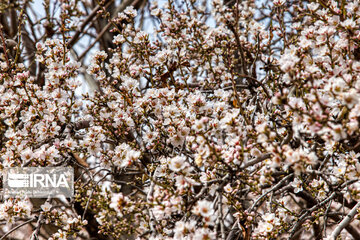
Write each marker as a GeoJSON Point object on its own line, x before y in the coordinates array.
{"type": "Point", "coordinates": [230, 120]}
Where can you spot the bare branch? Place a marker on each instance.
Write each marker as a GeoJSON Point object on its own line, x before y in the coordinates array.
{"type": "Point", "coordinates": [344, 222]}
{"type": "Point", "coordinates": [256, 160]}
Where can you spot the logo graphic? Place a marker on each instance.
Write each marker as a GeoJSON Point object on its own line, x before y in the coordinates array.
{"type": "Point", "coordinates": [39, 182]}
{"type": "Point", "coordinates": [18, 180]}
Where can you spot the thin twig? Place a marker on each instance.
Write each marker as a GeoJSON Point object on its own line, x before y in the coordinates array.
{"type": "Point", "coordinates": [38, 226]}
{"type": "Point", "coordinates": [39, 223]}
{"type": "Point", "coordinates": [326, 216]}
{"type": "Point", "coordinates": [17, 227]}
{"type": "Point", "coordinates": [83, 25]}
{"type": "Point", "coordinates": [222, 226]}
{"type": "Point", "coordinates": [119, 9]}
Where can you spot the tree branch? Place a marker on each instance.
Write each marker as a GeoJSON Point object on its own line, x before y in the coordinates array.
{"type": "Point", "coordinates": [256, 160]}
{"type": "Point", "coordinates": [344, 222]}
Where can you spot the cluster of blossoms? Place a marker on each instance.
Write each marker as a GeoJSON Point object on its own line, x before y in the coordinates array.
{"type": "Point", "coordinates": [14, 208]}
{"type": "Point", "coordinates": [203, 132]}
